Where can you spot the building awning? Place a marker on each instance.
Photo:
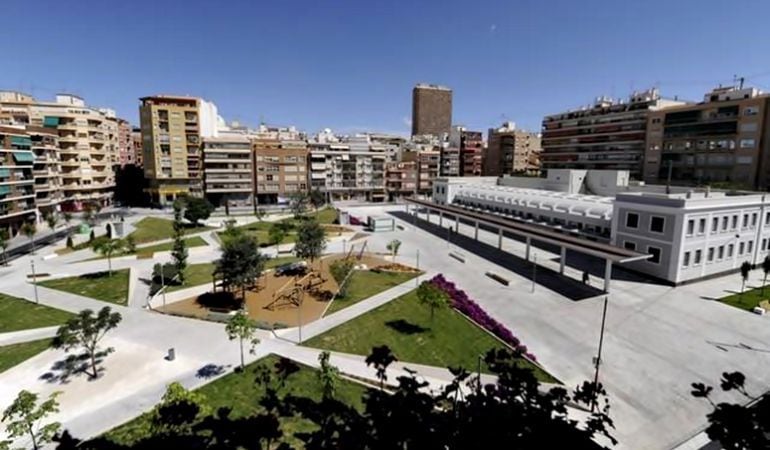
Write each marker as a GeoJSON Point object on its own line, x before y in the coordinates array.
{"type": "Point", "coordinates": [50, 121]}
{"type": "Point", "coordinates": [21, 140]}
{"type": "Point", "coordinates": [540, 233]}
{"type": "Point", "coordinates": [5, 190]}
{"type": "Point", "coordinates": [24, 157]}
{"type": "Point", "coordinates": [5, 173]}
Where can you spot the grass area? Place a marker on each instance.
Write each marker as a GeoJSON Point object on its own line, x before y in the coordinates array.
{"type": "Point", "coordinates": [12, 355]}
{"type": "Point", "coordinates": [152, 229]}
{"type": "Point", "coordinates": [260, 230]}
{"type": "Point", "coordinates": [240, 392]}
{"type": "Point", "coordinates": [405, 326]}
{"type": "Point", "coordinates": [365, 283]}
{"type": "Point", "coordinates": [18, 314]}
{"type": "Point", "coordinates": [197, 274]}
{"type": "Point", "coordinates": [147, 252]}
{"type": "Point", "coordinates": [748, 300]}
{"type": "Point", "coordinates": [326, 215]}
{"type": "Point", "coordinates": [99, 285]}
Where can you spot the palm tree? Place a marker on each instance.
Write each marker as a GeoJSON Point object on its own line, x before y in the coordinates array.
{"type": "Point", "coordinates": [29, 229]}
{"type": "Point", "coordinates": [108, 249]}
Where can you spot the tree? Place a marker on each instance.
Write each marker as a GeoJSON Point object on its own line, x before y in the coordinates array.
{"type": "Point", "coordinates": [108, 249]}
{"type": "Point", "coordinates": [29, 229]}
{"type": "Point", "coordinates": [277, 233]}
{"type": "Point", "coordinates": [241, 263]}
{"type": "Point", "coordinates": [90, 213]}
{"type": "Point", "coordinates": [67, 216]}
{"type": "Point", "coordinates": [197, 209]}
{"type": "Point", "coordinates": [737, 425]}
{"type": "Point", "coordinates": [431, 296]}
{"type": "Point", "coordinates": [51, 219]}
{"type": "Point", "coordinates": [24, 417]}
{"type": "Point", "coordinates": [298, 203]}
{"type": "Point", "coordinates": [766, 270]}
{"type": "Point", "coordinates": [260, 213]}
{"type": "Point", "coordinates": [241, 327]}
{"type": "Point", "coordinates": [317, 198]}
{"type": "Point", "coordinates": [179, 249]}
{"type": "Point", "coordinates": [341, 270]}
{"type": "Point", "coordinates": [4, 236]}
{"type": "Point", "coordinates": [381, 357]}
{"type": "Point", "coordinates": [311, 240]}
{"type": "Point", "coordinates": [108, 231]}
{"type": "Point", "coordinates": [69, 243]}
{"type": "Point", "coordinates": [745, 269]}
{"type": "Point", "coordinates": [393, 247]}
{"type": "Point", "coordinates": [130, 244]}
{"type": "Point", "coordinates": [328, 375]}
{"type": "Point", "coordinates": [85, 331]}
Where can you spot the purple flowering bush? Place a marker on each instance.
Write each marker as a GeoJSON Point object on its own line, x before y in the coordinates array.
{"type": "Point", "coordinates": [471, 309]}
{"type": "Point", "coordinates": [355, 221]}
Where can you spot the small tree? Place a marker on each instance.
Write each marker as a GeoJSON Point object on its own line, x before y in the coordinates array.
{"type": "Point", "coordinates": [197, 209]}
{"type": "Point", "coordinates": [70, 244]}
{"type": "Point", "coordinates": [745, 270]}
{"type": "Point", "coordinates": [244, 329]}
{"type": "Point", "coordinates": [89, 214]}
{"type": "Point", "coordinates": [29, 230]}
{"type": "Point", "coordinates": [766, 270]}
{"type": "Point", "coordinates": [130, 244]}
{"type": "Point", "coordinates": [179, 249]}
{"type": "Point", "coordinates": [317, 198]}
{"type": "Point", "coordinates": [67, 216]}
{"type": "Point", "coordinates": [108, 231]}
{"type": "Point", "coordinates": [298, 203]}
{"type": "Point", "coordinates": [341, 270]}
{"type": "Point", "coordinates": [393, 247]}
{"type": "Point", "coordinates": [92, 236]}
{"type": "Point", "coordinates": [51, 219]}
{"type": "Point", "coordinates": [85, 331]}
{"type": "Point", "coordinates": [432, 297]}
{"type": "Point", "coordinates": [241, 263]}
{"type": "Point", "coordinates": [277, 233]}
{"type": "Point", "coordinates": [24, 418]}
{"type": "Point", "coordinates": [179, 410]}
{"type": "Point", "coordinates": [381, 357]}
{"type": "Point", "coordinates": [311, 240]}
{"type": "Point", "coordinates": [259, 213]}
{"type": "Point", "coordinates": [4, 236]}
{"type": "Point", "coordinates": [328, 375]}
{"type": "Point", "coordinates": [109, 249]}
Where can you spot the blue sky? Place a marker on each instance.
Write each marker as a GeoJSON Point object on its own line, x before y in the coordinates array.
{"type": "Point", "coordinates": [350, 64]}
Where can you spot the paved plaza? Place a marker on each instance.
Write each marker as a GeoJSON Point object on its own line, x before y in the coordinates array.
{"type": "Point", "coordinates": [658, 339]}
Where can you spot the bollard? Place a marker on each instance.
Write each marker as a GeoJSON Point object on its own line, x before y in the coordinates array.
{"type": "Point", "coordinates": [171, 354]}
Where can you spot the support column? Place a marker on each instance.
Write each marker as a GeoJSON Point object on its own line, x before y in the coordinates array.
{"type": "Point", "coordinates": [441, 218]}
{"type": "Point", "coordinates": [529, 243]}
{"type": "Point", "coordinates": [476, 231]}
{"type": "Point", "coordinates": [457, 223]}
{"type": "Point", "coordinates": [427, 215]}
{"type": "Point", "coordinates": [607, 274]}
{"type": "Point", "coordinates": [562, 260]}
{"type": "Point", "coordinates": [499, 238]}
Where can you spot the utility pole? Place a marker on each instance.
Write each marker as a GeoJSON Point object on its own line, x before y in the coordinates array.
{"type": "Point", "coordinates": [34, 280]}
{"type": "Point", "coordinates": [599, 355]}
{"type": "Point", "coordinates": [534, 271]}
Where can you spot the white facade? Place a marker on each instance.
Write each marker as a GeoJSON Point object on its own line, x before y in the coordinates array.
{"type": "Point", "coordinates": [208, 119]}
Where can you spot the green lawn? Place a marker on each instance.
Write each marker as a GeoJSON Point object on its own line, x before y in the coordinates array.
{"type": "Point", "coordinates": [365, 283]}
{"type": "Point", "coordinates": [239, 392]}
{"type": "Point", "coordinates": [152, 229]}
{"type": "Point", "coordinates": [99, 285]}
{"type": "Point", "coordinates": [19, 314]}
{"type": "Point", "coordinates": [405, 326]}
{"type": "Point", "coordinates": [11, 355]}
{"type": "Point", "coordinates": [147, 252]}
{"type": "Point", "coordinates": [197, 274]}
{"type": "Point", "coordinates": [326, 215]}
{"type": "Point", "coordinates": [260, 230]}
{"type": "Point", "coordinates": [748, 300]}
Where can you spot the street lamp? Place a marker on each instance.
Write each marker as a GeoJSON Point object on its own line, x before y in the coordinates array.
{"type": "Point", "coordinates": [34, 280]}
{"type": "Point", "coordinates": [599, 356]}
{"type": "Point", "coordinates": [534, 271]}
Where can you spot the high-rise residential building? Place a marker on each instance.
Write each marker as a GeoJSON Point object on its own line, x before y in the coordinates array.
{"type": "Point", "coordinates": [136, 142]}
{"type": "Point", "coordinates": [609, 134]}
{"type": "Point", "coordinates": [471, 146]}
{"type": "Point", "coordinates": [17, 190]}
{"type": "Point", "coordinates": [126, 146]}
{"type": "Point", "coordinates": [228, 169]}
{"type": "Point", "coordinates": [172, 128]}
{"type": "Point", "coordinates": [401, 177]}
{"type": "Point", "coordinates": [511, 150]}
{"type": "Point", "coordinates": [451, 164]}
{"type": "Point", "coordinates": [87, 139]}
{"type": "Point", "coordinates": [280, 168]}
{"type": "Point", "coordinates": [431, 110]}
{"type": "Point", "coordinates": [47, 168]}
{"type": "Point", "coordinates": [348, 168]}
{"type": "Point", "coordinates": [722, 139]}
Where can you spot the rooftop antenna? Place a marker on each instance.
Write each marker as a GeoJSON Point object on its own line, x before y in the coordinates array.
{"type": "Point", "coordinates": [742, 79]}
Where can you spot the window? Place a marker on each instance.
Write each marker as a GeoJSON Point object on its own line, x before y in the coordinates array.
{"type": "Point", "coordinates": [745, 221]}
{"type": "Point", "coordinates": [724, 223]}
{"type": "Point", "coordinates": [750, 111]}
{"type": "Point", "coordinates": [655, 252]}
{"type": "Point", "coordinates": [754, 220]}
{"type": "Point", "coordinates": [629, 245]}
{"type": "Point", "coordinates": [686, 261]}
{"type": "Point", "coordinates": [714, 224]}
{"type": "Point", "coordinates": [735, 222]}
{"type": "Point", "coordinates": [751, 246]}
{"type": "Point", "coordinates": [632, 220]}
{"type": "Point", "coordinates": [691, 227]}
{"type": "Point", "coordinates": [740, 248]}
{"type": "Point", "coordinates": [696, 260]}
{"type": "Point", "coordinates": [747, 143]}
{"type": "Point", "coordinates": [748, 127]}
{"type": "Point", "coordinates": [764, 244]}
{"type": "Point", "coordinates": [730, 248]}
{"type": "Point", "coordinates": [702, 226]}
{"type": "Point", "coordinates": [721, 252]}
{"type": "Point", "coordinates": [657, 223]}
{"type": "Point", "coordinates": [710, 257]}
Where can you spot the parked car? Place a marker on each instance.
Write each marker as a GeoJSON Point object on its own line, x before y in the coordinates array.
{"type": "Point", "coordinates": [291, 269]}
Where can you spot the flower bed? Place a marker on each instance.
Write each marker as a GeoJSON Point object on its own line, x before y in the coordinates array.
{"type": "Point", "coordinates": [355, 221]}
{"type": "Point", "coordinates": [471, 309]}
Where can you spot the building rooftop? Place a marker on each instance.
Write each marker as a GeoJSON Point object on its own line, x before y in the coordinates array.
{"type": "Point", "coordinates": [436, 87]}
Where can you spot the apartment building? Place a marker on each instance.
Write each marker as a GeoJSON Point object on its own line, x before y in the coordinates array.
{"type": "Point", "coordinates": [46, 169]}
{"type": "Point", "coordinates": [172, 129]}
{"type": "Point", "coordinates": [347, 168]}
{"type": "Point", "coordinates": [228, 170]}
{"type": "Point", "coordinates": [511, 150]}
{"type": "Point", "coordinates": [401, 178]}
{"type": "Point", "coordinates": [126, 146]}
{"type": "Point", "coordinates": [136, 142]}
{"type": "Point", "coordinates": [431, 110]}
{"type": "Point", "coordinates": [721, 139]}
{"type": "Point", "coordinates": [280, 168]}
{"type": "Point", "coordinates": [609, 134]}
{"type": "Point", "coordinates": [17, 190]}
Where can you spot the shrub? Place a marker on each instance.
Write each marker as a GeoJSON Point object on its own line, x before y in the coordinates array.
{"type": "Point", "coordinates": [70, 244]}
{"type": "Point", "coordinates": [109, 231]}
{"type": "Point", "coordinates": [92, 236]}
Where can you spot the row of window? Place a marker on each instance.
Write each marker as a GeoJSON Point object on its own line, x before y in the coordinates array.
{"type": "Point", "coordinates": [721, 252]}
{"type": "Point", "coordinates": [657, 223]}
{"type": "Point", "coordinates": [728, 223]}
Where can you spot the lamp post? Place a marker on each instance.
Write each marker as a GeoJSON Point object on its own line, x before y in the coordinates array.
{"type": "Point", "coordinates": [34, 280]}
{"type": "Point", "coordinates": [599, 356]}
{"type": "Point", "coordinates": [417, 278]}
{"type": "Point", "coordinates": [534, 272]}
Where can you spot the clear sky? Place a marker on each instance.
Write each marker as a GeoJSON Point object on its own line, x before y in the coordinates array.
{"type": "Point", "coordinates": [351, 64]}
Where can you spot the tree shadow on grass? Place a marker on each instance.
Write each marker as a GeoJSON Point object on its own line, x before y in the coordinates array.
{"type": "Point", "coordinates": [64, 370]}
{"type": "Point", "coordinates": [404, 327]}
{"type": "Point", "coordinates": [96, 275]}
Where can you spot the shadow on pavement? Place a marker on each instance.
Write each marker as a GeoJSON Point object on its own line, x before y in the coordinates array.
{"type": "Point", "coordinates": [548, 278]}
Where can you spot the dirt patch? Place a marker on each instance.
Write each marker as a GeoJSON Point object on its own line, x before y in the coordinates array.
{"type": "Point", "coordinates": [275, 300]}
